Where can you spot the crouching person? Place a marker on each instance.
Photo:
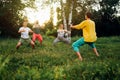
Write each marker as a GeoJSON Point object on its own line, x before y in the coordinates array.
{"type": "Point", "coordinates": [61, 36]}
{"type": "Point", "coordinates": [89, 35]}
{"type": "Point", "coordinates": [24, 31]}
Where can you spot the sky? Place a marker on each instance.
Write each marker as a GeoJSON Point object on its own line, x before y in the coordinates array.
{"type": "Point", "coordinates": [42, 14]}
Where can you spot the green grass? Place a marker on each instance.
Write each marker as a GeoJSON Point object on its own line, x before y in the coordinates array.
{"type": "Point", "coordinates": [48, 62]}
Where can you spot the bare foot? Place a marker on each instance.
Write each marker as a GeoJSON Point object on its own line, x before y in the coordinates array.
{"type": "Point", "coordinates": [80, 58]}
{"type": "Point", "coordinates": [97, 54]}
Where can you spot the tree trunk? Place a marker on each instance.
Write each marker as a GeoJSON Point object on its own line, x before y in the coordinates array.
{"type": "Point", "coordinates": [63, 15]}
{"type": "Point", "coordinates": [70, 16]}
{"type": "Point", "coordinates": [70, 20]}
{"type": "Point", "coordinates": [67, 25]}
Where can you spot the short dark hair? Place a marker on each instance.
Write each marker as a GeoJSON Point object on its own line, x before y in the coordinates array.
{"type": "Point", "coordinates": [88, 14]}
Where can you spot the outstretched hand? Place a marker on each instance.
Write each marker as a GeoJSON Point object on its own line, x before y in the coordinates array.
{"type": "Point", "coordinates": [71, 26]}
{"type": "Point", "coordinates": [65, 30]}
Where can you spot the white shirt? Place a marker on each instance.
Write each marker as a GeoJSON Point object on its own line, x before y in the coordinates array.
{"type": "Point", "coordinates": [61, 33]}
{"type": "Point", "coordinates": [25, 34]}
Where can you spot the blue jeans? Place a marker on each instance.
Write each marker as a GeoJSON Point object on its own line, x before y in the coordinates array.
{"type": "Point", "coordinates": [81, 42]}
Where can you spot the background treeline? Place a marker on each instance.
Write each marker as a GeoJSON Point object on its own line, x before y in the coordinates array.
{"type": "Point", "coordinates": [104, 14]}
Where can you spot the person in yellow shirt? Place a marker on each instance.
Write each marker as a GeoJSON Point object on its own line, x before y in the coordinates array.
{"type": "Point", "coordinates": [89, 35]}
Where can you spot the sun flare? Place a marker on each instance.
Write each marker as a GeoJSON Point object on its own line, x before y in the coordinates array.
{"type": "Point", "coordinates": [40, 14]}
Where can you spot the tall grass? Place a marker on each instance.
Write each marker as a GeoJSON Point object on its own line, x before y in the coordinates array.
{"type": "Point", "coordinates": [48, 62]}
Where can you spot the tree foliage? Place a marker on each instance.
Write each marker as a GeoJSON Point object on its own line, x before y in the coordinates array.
{"type": "Point", "coordinates": [104, 14]}
{"type": "Point", "coordinates": [10, 16]}
{"type": "Point", "coordinates": [106, 20]}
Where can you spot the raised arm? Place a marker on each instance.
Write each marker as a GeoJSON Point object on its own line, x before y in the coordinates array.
{"type": "Point", "coordinates": [79, 26]}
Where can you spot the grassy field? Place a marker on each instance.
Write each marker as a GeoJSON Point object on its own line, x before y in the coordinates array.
{"type": "Point", "coordinates": [48, 62]}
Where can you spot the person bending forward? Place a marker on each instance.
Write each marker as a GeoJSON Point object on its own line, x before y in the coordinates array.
{"type": "Point", "coordinates": [89, 35]}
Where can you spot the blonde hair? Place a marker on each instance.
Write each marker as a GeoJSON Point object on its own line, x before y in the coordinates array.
{"type": "Point", "coordinates": [36, 22]}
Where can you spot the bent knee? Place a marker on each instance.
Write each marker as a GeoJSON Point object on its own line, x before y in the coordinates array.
{"type": "Point", "coordinates": [73, 45]}
{"type": "Point", "coordinates": [32, 43]}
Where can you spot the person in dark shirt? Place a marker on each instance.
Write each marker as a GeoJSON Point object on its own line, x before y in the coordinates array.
{"type": "Point", "coordinates": [36, 34]}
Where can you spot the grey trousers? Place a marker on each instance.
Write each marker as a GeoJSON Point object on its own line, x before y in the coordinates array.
{"type": "Point", "coordinates": [61, 39]}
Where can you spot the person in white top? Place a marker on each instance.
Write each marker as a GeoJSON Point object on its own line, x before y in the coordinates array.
{"type": "Point", "coordinates": [61, 35]}
{"type": "Point", "coordinates": [25, 35]}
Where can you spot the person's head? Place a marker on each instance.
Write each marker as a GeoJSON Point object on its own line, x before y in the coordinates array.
{"type": "Point", "coordinates": [61, 26]}
{"type": "Point", "coordinates": [88, 15]}
{"type": "Point", "coordinates": [25, 24]}
{"type": "Point", "coordinates": [36, 22]}
{"type": "Point", "coordinates": [25, 19]}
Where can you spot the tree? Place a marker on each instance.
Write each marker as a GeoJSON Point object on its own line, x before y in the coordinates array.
{"type": "Point", "coordinates": [107, 22]}
{"type": "Point", "coordinates": [72, 11]}
{"type": "Point", "coordinates": [10, 16]}
{"type": "Point", "coordinates": [104, 15]}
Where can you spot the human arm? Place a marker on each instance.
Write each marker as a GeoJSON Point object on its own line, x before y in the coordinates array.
{"type": "Point", "coordinates": [79, 26]}
{"type": "Point", "coordinates": [31, 31]}
{"type": "Point", "coordinates": [65, 30]}
{"type": "Point", "coordinates": [21, 30]}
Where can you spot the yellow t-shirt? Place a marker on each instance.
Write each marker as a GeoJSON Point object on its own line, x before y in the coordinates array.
{"type": "Point", "coordinates": [88, 27]}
